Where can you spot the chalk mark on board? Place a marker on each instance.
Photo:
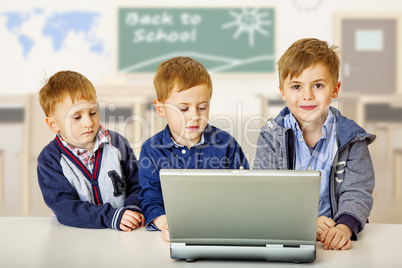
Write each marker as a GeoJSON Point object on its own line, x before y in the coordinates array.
{"type": "Point", "coordinates": [228, 63]}
{"type": "Point", "coordinates": [249, 21]}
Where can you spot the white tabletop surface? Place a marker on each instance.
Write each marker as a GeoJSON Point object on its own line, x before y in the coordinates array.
{"type": "Point", "coordinates": [43, 242]}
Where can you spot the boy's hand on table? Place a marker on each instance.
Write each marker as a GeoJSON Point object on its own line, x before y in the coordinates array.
{"type": "Point", "coordinates": [161, 223]}
{"type": "Point", "coordinates": [131, 220]}
{"type": "Point", "coordinates": [337, 237]}
{"type": "Point", "coordinates": [323, 224]}
{"type": "Point", "coordinates": [165, 232]}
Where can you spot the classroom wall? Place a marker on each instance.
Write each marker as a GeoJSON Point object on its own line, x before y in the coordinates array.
{"type": "Point", "coordinates": [236, 98]}
{"type": "Point", "coordinates": [24, 73]}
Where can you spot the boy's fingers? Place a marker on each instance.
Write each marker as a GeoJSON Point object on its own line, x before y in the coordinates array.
{"type": "Point", "coordinates": [317, 237]}
{"type": "Point", "coordinates": [135, 217]}
{"type": "Point", "coordinates": [329, 222]}
{"type": "Point", "coordinates": [328, 239]}
{"type": "Point", "coordinates": [337, 239]}
{"type": "Point", "coordinates": [128, 222]}
{"type": "Point", "coordinates": [124, 228]}
{"type": "Point", "coordinates": [165, 233]}
{"type": "Point", "coordinates": [343, 241]}
{"type": "Point", "coordinates": [324, 236]}
{"type": "Point", "coordinates": [139, 218]}
{"type": "Point", "coordinates": [133, 214]}
{"type": "Point", "coordinates": [348, 245]}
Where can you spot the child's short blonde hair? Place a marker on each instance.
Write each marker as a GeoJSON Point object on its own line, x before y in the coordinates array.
{"type": "Point", "coordinates": [64, 84]}
{"type": "Point", "coordinates": [305, 53]}
{"type": "Point", "coordinates": [183, 72]}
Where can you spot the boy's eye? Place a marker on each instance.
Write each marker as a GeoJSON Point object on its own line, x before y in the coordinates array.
{"type": "Point", "coordinates": [318, 85]}
{"type": "Point", "coordinates": [296, 87]}
{"type": "Point", "coordinates": [76, 117]}
{"type": "Point", "coordinates": [202, 107]}
{"type": "Point", "coordinates": [183, 109]}
{"type": "Point", "coordinates": [93, 113]}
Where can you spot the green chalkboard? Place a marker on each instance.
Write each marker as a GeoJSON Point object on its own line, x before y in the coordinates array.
{"type": "Point", "coordinates": [225, 40]}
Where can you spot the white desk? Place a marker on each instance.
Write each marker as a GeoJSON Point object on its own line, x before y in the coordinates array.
{"type": "Point", "coordinates": [43, 242]}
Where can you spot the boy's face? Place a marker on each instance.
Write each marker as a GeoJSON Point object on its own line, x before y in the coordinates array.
{"type": "Point", "coordinates": [186, 113]}
{"type": "Point", "coordinates": [309, 95]}
{"type": "Point", "coordinates": [77, 123]}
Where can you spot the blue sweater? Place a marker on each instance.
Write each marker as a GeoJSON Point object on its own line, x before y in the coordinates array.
{"type": "Point", "coordinates": [83, 199]}
{"type": "Point", "coordinates": [218, 151]}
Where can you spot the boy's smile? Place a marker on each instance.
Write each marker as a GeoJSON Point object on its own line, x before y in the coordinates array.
{"type": "Point", "coordinates": [187, 113]}
{"type": "Point", "coordinates": [309, 95]}
{"type": "Point", "coordinates": [77, 123]}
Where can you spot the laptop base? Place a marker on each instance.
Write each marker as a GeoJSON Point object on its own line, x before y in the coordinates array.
{"type": "Point", "coordinates": [272, 252]}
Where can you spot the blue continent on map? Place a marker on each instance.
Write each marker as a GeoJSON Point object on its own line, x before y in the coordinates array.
{"type": "Point", "coordinates": [57, 26]}
{"type": "Point", "coordinates": [14, 23]}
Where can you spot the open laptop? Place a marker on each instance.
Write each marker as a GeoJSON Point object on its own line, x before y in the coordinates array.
{"type": "Point", "coordinates": [241, 214]}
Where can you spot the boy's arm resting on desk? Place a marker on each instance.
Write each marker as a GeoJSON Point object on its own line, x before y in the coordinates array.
{"type": "Point", "coordinates": [337, 237]}
{"type": "Point", "coordinates": [132, 217]}
{"type": "Point", "coordinates": [151, 193]}
{"type": "Point", "coordinates": [355, 198]}
{"type": "Point", "coordinates": [65, 202]}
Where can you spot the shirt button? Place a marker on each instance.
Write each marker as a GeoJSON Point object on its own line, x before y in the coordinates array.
{"type": "Point", "coordinates": [100, 204]}
{"type": "Point", "coordinates": [183, 151]}
{"type": "Point", "coordinates": [309, 168]}
{"type": "Point", "coordinates": [300, 139]}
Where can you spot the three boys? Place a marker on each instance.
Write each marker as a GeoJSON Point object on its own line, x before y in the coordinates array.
{"type": "Point", "coordinates": [307, 134]}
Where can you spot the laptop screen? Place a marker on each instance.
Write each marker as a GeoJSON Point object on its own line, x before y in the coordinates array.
{"type": "Point", "coordinates": [248, 207]}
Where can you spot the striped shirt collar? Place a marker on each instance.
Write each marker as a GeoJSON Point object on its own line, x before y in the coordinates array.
{"type": "Point", "coordinates": [85, 156]}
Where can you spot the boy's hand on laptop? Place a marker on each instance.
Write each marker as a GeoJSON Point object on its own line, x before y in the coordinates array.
{"type": "Point", "coordinates": [337, 237]}
{"type": "Point", "coordinates": [323, 224]}
{"type": "Point", "coordinates": [131, 220]}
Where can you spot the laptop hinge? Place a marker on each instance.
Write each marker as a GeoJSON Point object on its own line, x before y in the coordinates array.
{"type": "Point", "coordinates": [282, 246]}
{"type": "Point", "coordinates": [178, 244]}
{"type": "Point", "coordinates": [307, 246]}
{"type": "Point", "coordinates": [274, 246]}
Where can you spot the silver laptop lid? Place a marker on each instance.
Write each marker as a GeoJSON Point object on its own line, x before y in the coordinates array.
{"type": "Point", "coordinates": [249, 207]}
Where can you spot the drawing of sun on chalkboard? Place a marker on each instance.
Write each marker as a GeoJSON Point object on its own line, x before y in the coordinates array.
{"type": "Point", "coordinates": [224, 39]}
{"type": "Point", "coordinates": [248, 21]}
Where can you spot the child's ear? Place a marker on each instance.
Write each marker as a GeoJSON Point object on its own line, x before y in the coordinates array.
{"type": "Point", "coordinates": [52, 124]}
{"type": "Point", "coordinates": [159, 108]}
{"type": "Point", "coordinates": [282, 93]}
{"type": "Point", "coordinates": [337, 87]}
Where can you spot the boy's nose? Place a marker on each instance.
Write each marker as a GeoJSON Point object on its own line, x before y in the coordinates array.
{"type": "Point", "coordinates": [307, 94]}
{"type": "Point", "coordinates": [88, 123]}
{"type": "Point", "coordinates": [194, 115]}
